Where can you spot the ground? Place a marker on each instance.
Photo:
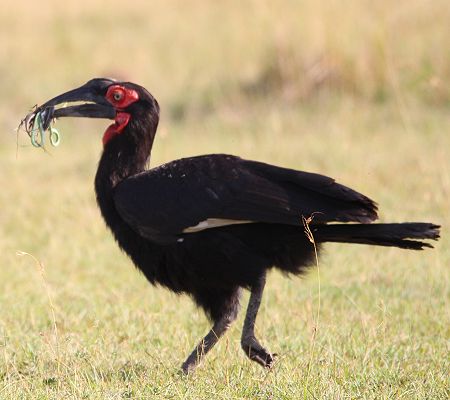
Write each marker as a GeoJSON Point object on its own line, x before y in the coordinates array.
{"type": "Point", "coordinates": [356, 93]}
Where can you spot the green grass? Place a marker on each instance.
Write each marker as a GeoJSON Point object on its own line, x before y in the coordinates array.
{"type": "Point", "coordinates": [230, 79]}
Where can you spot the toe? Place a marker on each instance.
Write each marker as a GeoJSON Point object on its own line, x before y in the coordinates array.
{"type": "Point", "coordinates": [257, 353]}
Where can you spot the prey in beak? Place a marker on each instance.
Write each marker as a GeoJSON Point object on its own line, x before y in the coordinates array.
{"type": "Point", "coordinates": [98, 98]}
{"type": "Point", "coordinates": [91, 97]}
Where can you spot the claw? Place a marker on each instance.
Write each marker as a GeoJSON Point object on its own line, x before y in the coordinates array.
{"type": "Point", "coordinates": [257, 353]}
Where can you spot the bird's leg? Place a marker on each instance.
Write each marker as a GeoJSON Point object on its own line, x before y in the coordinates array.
{"type": "Point", "coordinates": [249, 343]}
{"type": "Point", "coordinates": [208, 342]}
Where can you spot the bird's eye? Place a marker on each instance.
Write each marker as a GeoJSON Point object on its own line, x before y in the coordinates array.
{"type": "Point", "coordinates": [118, 95]}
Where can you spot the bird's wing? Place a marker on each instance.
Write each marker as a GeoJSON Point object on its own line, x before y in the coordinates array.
{"type": "Point", "coordinates": [197, 193]}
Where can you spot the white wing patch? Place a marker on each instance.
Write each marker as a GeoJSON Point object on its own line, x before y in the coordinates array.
{"type": "Point", "coordinates": [214, 223]}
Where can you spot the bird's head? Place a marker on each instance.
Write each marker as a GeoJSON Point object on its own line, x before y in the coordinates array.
{"type": "Point", "coordinates": [134, 110]}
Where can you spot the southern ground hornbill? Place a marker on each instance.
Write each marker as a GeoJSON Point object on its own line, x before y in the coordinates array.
{"type": "Point", "coordinates": [211, 225]}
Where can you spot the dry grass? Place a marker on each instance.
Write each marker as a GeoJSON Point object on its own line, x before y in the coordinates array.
{"type": "Point", "coordinates": [355, 90]}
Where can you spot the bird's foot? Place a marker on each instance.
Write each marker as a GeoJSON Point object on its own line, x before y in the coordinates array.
{"type": "Point", "coordinates": [191, 363]}
{"type": "Point", "coordinates": [257, 353]}
{"type": "Point", "coordinates": [188, 367]}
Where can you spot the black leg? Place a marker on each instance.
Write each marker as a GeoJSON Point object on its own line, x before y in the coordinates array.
{"type": "Point", "coordinates": [208, 342]}
{"type": "Point", "coordinates": [249, 343]}
{"type": "Point", "coordinates": [229, 313]}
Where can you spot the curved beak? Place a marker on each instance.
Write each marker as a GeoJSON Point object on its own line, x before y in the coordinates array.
{"type": "Point", "coordinates": [93, 104]}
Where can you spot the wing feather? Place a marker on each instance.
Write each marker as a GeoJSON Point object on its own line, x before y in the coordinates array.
{"type": "Point", "coordinates": [168, 200]}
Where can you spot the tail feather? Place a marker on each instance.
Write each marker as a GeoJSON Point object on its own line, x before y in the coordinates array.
{"type": "Point", "coordinates": [402, 235]}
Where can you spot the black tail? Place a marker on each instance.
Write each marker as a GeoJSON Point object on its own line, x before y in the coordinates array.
{"type": "Point", "coordinates": [395, 235]}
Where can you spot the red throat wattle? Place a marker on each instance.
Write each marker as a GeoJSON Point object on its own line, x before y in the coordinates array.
{"type": "Point", "coordinates": [121, 121]}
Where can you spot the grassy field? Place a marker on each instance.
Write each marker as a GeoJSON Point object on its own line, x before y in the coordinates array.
{"type": "Point", "coordinates": [355, 90]}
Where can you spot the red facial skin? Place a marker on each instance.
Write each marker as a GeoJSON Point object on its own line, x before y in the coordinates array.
{"type": "Point", "coordinates": [120, 97]}
{"type": "Point", "coordinates": [121, 121]}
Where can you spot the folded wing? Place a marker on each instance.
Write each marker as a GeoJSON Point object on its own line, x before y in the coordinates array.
{"type": "Point", "coordinates": [197, 193]}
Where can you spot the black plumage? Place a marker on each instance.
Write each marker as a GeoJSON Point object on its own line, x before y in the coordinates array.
{"type": "Point", "coordinates": [211, 225]}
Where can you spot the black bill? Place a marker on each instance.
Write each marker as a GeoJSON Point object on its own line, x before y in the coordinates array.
{"type": "Point", "coordinates": [93, 104]}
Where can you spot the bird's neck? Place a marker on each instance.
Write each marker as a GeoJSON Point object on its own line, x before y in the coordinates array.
{"type": "Point", "coordinates": [126, 154]}
{"type": "Point", "coordinates": [123, 156]}
{"type": "Point", "coordinates": [119, 162]}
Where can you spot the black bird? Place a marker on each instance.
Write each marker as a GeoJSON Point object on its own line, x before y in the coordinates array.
{"type": "Point", "coordinates": [211, 225]}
